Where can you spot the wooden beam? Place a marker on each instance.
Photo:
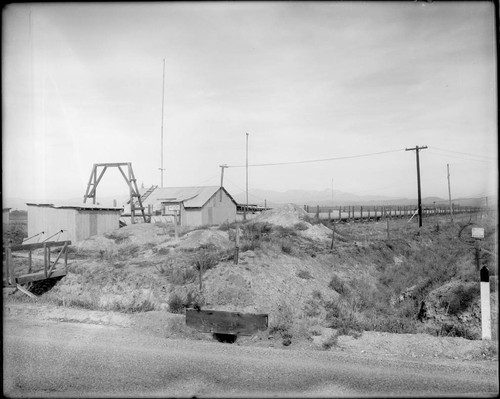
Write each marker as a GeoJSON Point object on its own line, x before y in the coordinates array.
{"type": "Point", "coordinates": [25, 291]}
{"type": "Point", "coordinates": [221, 322]}
{"type": "Point", "coordinates": [39, 245]}
{"type": "Point", "coordinates": [26, 278]}
{"type": "Point", "coordinates": [57, 259]}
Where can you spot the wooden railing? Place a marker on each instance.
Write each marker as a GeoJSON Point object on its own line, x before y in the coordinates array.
{"type": "Point", "coordinates": [360, 212]}
{"type": "Point", "coordinates": [48, 266]}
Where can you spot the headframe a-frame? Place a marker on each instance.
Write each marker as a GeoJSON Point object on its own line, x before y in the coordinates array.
{"type": "Point", "coordinates": [129, 178]}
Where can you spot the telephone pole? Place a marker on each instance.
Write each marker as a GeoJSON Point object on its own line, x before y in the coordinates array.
{"type": "Point", "coordinates": [162, 106]}
{"type": "Point", "coordinates": [417, 149]}
{"type": "Point", "coordinates": [222, 178]}
{"type": "Point", "coordinates": [449, 193]}
{"type": "Point", "coordinates": [246, 207]}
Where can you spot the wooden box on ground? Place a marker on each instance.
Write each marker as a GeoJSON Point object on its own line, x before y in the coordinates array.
{"type": "Point", "coordinates": [221, 322]}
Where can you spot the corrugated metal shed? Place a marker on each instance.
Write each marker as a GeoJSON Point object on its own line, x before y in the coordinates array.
{"type": "Point", "coordinates": [74, 222]}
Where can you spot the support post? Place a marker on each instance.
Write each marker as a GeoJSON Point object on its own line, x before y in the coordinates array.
{"type": "Point", "coordinates": [388, 235]}
{"type": "Point", "coordinates": [45, 260]}
{"type": "Point", "coordinates": [449, 193]}
{"type": "Point", "coordinates": [485, 303]}
{"type": "Point", "coordinates": [176, 228]}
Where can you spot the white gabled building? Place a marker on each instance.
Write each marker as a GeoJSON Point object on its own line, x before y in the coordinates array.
{"type": "Point", "coordinates": [194, 206]}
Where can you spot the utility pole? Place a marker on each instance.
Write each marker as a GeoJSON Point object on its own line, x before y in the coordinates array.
{"type": "Point", "coordinates": [222, 178]}
{"type": "Point", "coordinates": [449, 193]}
{"type": "Point", "coordinates": [417, 149]}
{"type": "Point", "coordinates": [162, 105]}
{"type": "Point", "coordinates": [245, 211]}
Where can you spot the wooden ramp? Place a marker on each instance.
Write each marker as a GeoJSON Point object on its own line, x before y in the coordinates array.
{"type": "Point", "coordinates": [220, 322]}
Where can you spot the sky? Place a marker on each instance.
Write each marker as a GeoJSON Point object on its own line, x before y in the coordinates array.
{"type": "Point", "coordinates": [351, 84]}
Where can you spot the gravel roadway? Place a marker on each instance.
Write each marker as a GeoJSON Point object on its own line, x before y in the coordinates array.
{"type": "Point", "coordinates": [65, 359]}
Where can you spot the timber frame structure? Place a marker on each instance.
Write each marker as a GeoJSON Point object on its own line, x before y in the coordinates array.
{"type": "Point", "coordinates": [129, 178]}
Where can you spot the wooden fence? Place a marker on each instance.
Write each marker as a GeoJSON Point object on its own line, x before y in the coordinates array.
{"type": "Point", "coordinates": [372, 212]}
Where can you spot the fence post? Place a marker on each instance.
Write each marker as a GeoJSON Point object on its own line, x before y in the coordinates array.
{"type": "Point", "coordinates": [237, 242]}
{"type": "Point", "coordinates": [361, 210]}
{"type": "Point", "coordinates": [340, 213]}
{"type": "Point", "coordinates": [375, 212]}
{"type": "Point", "coordinates": [388, 236]}
{"type": "Point", "coordinates": [317, 212]}
{"type": "Point", "coordinates": [329, 215]}
{"type": "Point", "coordinates": [333, 237]}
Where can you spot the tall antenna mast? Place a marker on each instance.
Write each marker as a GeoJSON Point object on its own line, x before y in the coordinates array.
{"type": "Point", "coordinates": [162, 105]}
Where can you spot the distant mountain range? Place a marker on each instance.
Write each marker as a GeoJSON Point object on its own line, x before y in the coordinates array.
{"type": "Point", "coordinates": [276, 198]}
{"type": "Point", "coordinates": [324, 198]}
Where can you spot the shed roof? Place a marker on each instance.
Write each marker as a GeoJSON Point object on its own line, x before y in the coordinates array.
{"type": "Point", "coordinates": [191, 197]}
{"type": "Point", "coordinates": [83, 207]}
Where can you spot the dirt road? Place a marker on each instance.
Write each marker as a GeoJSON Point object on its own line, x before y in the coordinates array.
{"type": "Point", "coordinates": [65, 359]}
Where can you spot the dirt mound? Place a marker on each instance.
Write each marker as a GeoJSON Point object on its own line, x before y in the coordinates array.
{"type": "Point", "coordinates": [197, 238]}
{"type": "Point", "coordinates": [287, 215]}
{"type": "Point", "coordinates": [293, 216]}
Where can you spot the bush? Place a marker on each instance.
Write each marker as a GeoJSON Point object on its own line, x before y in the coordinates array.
{"type": "Point", "coordinates": [175, 304]}
{"type": "Point", "coordinates": [178, 303]}
{"type": "Point", "coordinates": [305, 275]}
{"type": "Point", "coordinates": [283, 323]}
{"type": "Point", "coordinates": [300, 226]}
{"type": "Point", "coordinates": [460, 298]}
{"type": "Point", "coordinates": [332, 340]}
{"type": "Point", "coordinates": [337, 284]}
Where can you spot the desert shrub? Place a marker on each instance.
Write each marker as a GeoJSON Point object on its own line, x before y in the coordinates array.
{"type": "Point", "coordinates": [312, 308]}
{"type": "Point", "coordinates": [284, 232]}
{"type": "Point", "coordinates": [181, 275]}
{"type": "Point", "coordinates": [305, 275]}
{"type": "Point", "coordinates": [286, 248]}
{"type": "Point", "coordinates": [226, 226]}
{"type": "Point", "coordinates": [163, 251]}
{"type": "Point", "coordinates": [332, 340]}
{"type": "Point", "coordinates": [460, 298]}
{"type": "Point", "coordinates": [283, 323]}
{"type": "Point", "coordinates": [337, 284]}
{"type": "Point", "coordinates": [340, 317]}
{"type": "Point", "coordinates": [118, 238]}
{"type": "Point", "coordinates": [250, 245]}
{"type": "Point", "coordinates": [457, 330]}
{"type": "Point", "coordinates": [300, 226]}
{"type": "Point", "coordinates": [130, 251]}
{"type": "Point", "coordinates": [175, 304]}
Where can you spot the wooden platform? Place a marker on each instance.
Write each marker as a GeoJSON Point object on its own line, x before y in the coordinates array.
{"type": "Point", "coordinates": [221, 322]}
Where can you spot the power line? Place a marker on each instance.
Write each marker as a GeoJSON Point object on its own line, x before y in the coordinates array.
{"type": "Point", "coordinates": [459, 157]}
{"type": "Point", "coordinates": [463, 153]}
{"type": "Point", "coordinates": [316, 160]}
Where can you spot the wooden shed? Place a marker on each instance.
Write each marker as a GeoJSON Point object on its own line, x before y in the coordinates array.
{"type": "Point", "coordinates": [6, 216]}
{"type": "Point", "coordinates": [194, 206]}
{"type": "Point", "coordinates": [77, 222]}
